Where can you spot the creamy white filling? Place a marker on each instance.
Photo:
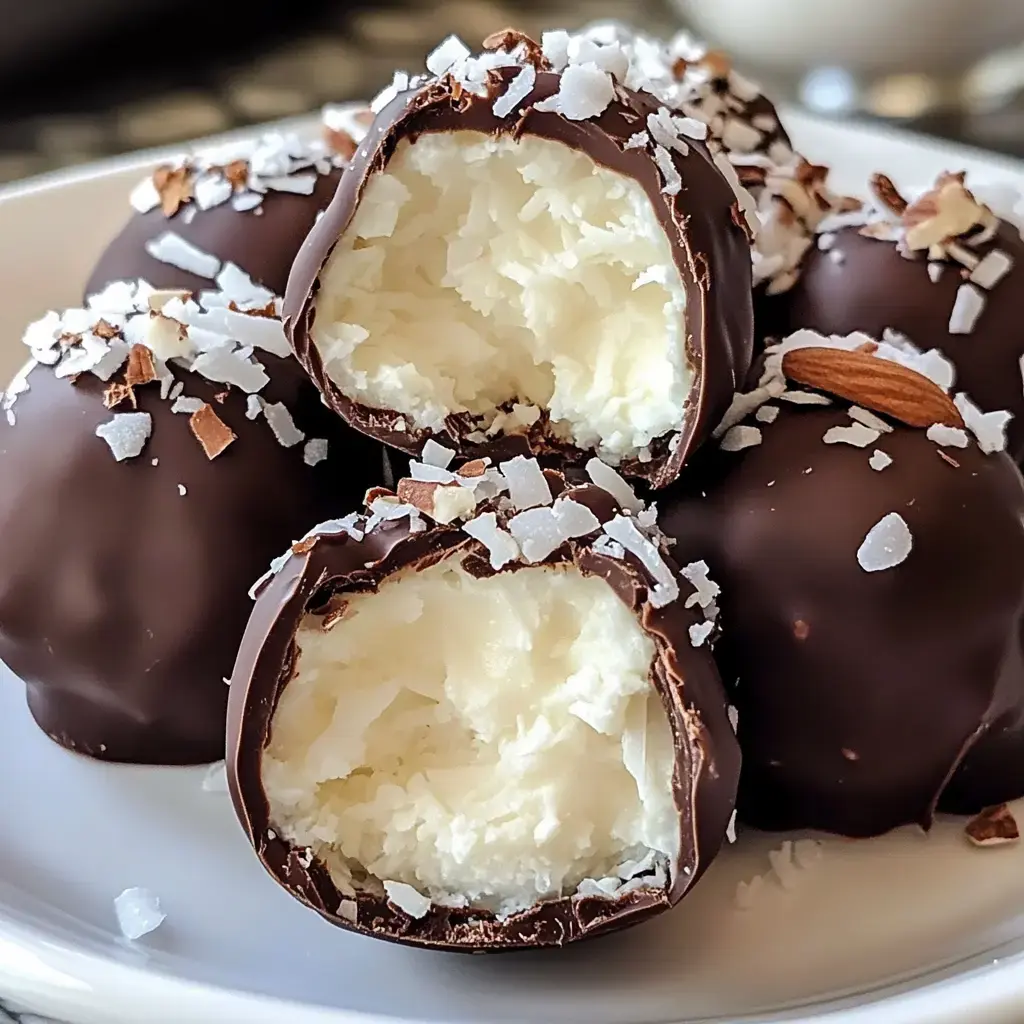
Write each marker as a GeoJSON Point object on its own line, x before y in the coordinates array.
{"type": "Point", "coordinates": [481, 271]}
{"type": "Point", "coordinates": [487, 742]}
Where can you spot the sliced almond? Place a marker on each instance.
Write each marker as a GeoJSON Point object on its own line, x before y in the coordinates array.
{"type": "Point", "coordinates": [995, 826]}
{"type": "Point", "coordinates": [117, 393]}
{"type": "Point", "coordinates": [140, 369]}
{"type": "Point", "coordinates": [340, 143]}
{"type": "Point", "coordinates": [174, 185]}
{"type": "Point", "coordinates": [443, 503]}
{"type": "Point", "coordinates": [378, 492]}
{"type": "Point", "coordinates": [887, 194]}
{"type": "Point", "coordinates": [237, 174]}
{"type": "Point", "coordinates": [210, 431]}
{"type": "Point", "coordinates": [876, 384]}
{"type": "Point", "coordinates": [106, 331]}
{"type": "Point", "coordinates": [475, 468]}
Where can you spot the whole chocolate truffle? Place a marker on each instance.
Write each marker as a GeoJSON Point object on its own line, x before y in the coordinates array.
{"type": "Point", "coordinates": [942, 270]}
{"type": "Point", "coordinates": [521, 249]}
{"type": "Point", "coordinates": [872, 601]}
{"type": "Point", "coordinates": [388, 776]}
{"type": "Point", "coordinates": [250, 203]}
{"type": "Point", "coordinates": [130, 535]}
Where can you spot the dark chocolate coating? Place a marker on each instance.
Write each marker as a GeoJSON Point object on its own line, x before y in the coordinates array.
{"type": "Point", "coordinates": [702, 222]}
{"type": "Point", "coordinates": [875, 287]}
{"type": "Point", "coordinates": [263, 242]}
{"type": "Point", "coordinates": [707, 765]}
{"type": "Point", "coordinates": [858, 692]}
{"type": "Point", "coordinates": [121, 601]}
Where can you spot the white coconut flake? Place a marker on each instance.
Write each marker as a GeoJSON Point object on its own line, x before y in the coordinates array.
{"type": "Point", "coordinates": [216, 779]}
{"type": "Point", "coordinates": [993, 267]}
{"type": "Point", "coordinates": [187, 405]}
{"type": "Point", "coordinates": [859, 435]}
{"type": "Point", "coordinates": [988, 428]}
{"type": "Point", "coordinates": [699, 632]}
{"type": "Point", "coordinates": [174, 250]}
{"type": "Point", "coordinates": [282, 425]}
{"type": "Point", "coordinates": [435, 454]}
{"type": "Point", "coordinates": [575, 519]}
{"type": "Point", "coordinates": [767, 414]}
{"type": "Point", "coordinates": [404, 896]}
{"type": "Point", "coordinates": [640, 140]}
{"type": "Point", "coordinates": [604, 545]}
{"type": "Point", "coordinates": [706, 589]}
{"type": "Point", "coordinates": [527, 485]}
{"type": "Point", "coordinates": [144, 197]}
{"type": "Point", "coordinates": [805, 398]}
{"type": "Point", "coordinates": [879, 460]}
{"type": "Point", "coordinates": [886, 545]}
{"type": "Point", "coordinates": [672, 182]}
{"type": "Point", "coordinates": [315, 451]}
{"type": "Point", "coordinates": [740, 437]}
{"type": "Point", "coordinates": [518, 89]}
{"type": "Point", "coordinates": [138, 913]}
{"type": "Point", "coordinates": [445, 55]}
{"type": "Point", "coordinates": [126, 433]}
{"type": "Point", "coordinates": [935, 270]}
{"type": "Point", "coordinates": [869, 419]}
{"type": "Point", "coordinates": [182, 490]}
{"type": "Point", "coordinates": [625, 531]}
{"type": "Point", "coordinates": [555, 46]}
{"type": "Point", "coordinates": [584, 91]}
{"type": "Point", "coordinates": [730, 829]}
{"type": "Point", "coordinates": [947, 437]}
{"type": "Point", "coordinates": [500, 545]}
{"type": "Point", "coordinates": [211, 190]}
{"type": "Point", "coordinates": [253, 406]}
{"type": "Point", "coordinates": [827, 241]}
{"type": "Point", "coordinates": [224, 366]}
{"type": "Point", "coordinates": [970, 303]}
{"type": "Point", "coordinates": [603, 476]}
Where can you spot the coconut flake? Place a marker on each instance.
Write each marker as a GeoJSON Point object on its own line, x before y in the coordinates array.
{"type": "Point", "coordinates": [859, 435]}
{"type": "Point", "coordinates": [282, 425]}
{"type": "Point", "coordinates": [444, 56]}
{"type": "Point", "coordinates": [988, 428]}
{"type": "Point", "coordinates": [138, 913]}
{"type": "Point", "coordinates": [670, 176]}
{"type": "Point", "coordinates": [216, 779]}
{"type": "Point", "coordinates": [144, 197]}
{"type": "Point", "coordinates": [604, 545]}
{"type": "Point", "coordinates": [603, 476]}
{"type": "Point", "coordinates": [584, 91]}
{"type": "Point", "coordinates": [226, 366]}
{"type": "Point", "coordinates": [730, 829]}
{"type": "Point", "coordinates": [879, 460]}
{"type": "Point", "coordinates": [174, 250]}
{"type": "Point", "coordinates": [993, 267]}
{"type": "Point", "coordinates": [886, 545]}
{"type": "Point", "coordinates": [403, 896]}
{"type": "Point", "coordinates": [555, 46]}
{"type": "Point", "coordinates": [253, 406]}
{"type": "Point", "coordinates": [187, 405]}
{"type": "Point", "coordinates": [624, 530]}
{"type": "Point", "coordinates": [315, 451]}
{"type": "Point", "coordinates": [706, 589]}
{"type": "Point", "coordinates": [126, 433]}
{"type": "Point", "coordinates": [740, 437]}
{"type": "Point", "coordinates": [435, 454]}
{"type": "Point", "coordinates": [499, 543]}
{"type": "Point", "coordinates": [518, 89]}
{"type": "Point", "coordinates": [869, 419]}
{"type": "Point", "coordinates": [639, 140]}
{"type": "Point", "coordinates": [699, 632]}
{"type": "Point", "coordinates": [805, 398]}
{"type": "Point", "coordinates": [966, 310]}
{"type": "Point", "coordinates": [527, 485]}
{"type": "Point", "coordinates": [947, 437]}
{"type": "Point", "coordinates": [767, 414]}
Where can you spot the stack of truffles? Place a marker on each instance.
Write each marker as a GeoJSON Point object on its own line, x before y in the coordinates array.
{"type": "Point", "coordinates": [605, 446]}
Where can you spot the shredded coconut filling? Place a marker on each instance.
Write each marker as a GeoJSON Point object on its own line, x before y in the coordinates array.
{"type": "Point", "coordinates": [401, 754]}
{"type": "Point", "coordinates": [479, 272]}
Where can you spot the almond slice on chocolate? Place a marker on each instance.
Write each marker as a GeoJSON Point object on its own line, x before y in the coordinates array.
{"type": "Point", "coordinates": [876, 384]}
{"type": "Point", "coordinates": [994, 826]}
{"type": "Point", "coordinates": [210, 431]}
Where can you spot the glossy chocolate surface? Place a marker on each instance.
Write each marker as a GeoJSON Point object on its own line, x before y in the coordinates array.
{"type": "Point", "coordinates": [703, 223]}
{"type": "Point", "coordinates": [860, 692]}
{"type": "Point", "coordinates": [122, 601]}
{"type": "Point", "coordinates": [317, 578]}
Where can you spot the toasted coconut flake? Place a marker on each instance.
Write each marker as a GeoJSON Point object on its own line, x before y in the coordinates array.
{"type": "Point", "coordinates": [995, 826]}
{"type": "Point", "coordinates": [210, 431]}
{"type": "Point", "coordinates": [887, 544]}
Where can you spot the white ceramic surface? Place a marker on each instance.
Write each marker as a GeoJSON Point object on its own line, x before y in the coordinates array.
{"type": "Point", "coordinates": [930, 925]}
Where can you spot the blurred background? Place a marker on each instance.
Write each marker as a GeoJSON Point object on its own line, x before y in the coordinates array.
{"type": "Point", "coordinates": [83, 79]}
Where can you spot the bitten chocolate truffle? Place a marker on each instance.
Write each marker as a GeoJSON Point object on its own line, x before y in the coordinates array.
{"type": "Point", "coordinates": [149, 467]}
{"type": "Point", "coordinates": [524, 244]}
{"type": "Point", "coordinates": [250, 203]}
{"type": "Point", "coordinates": [872, 581]}
{"type": "Point", "coordinates": [390, 778]}
{"type": "Point", "coordinates": [943, 270]}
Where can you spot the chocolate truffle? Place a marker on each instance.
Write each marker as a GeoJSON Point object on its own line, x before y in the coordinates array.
{"type": "Point", "coordinates": [390, 778]}
{"type": "Point", "coordinates": [513, 249]}
{"type": "Point", "coordinates": [872, 594]}
{"type": "Point", "coordinates": [250, 202]}
{"type": "Point", "coordinates": [940, 270]}
{"type": "Point", "coordinates": [146, 476]}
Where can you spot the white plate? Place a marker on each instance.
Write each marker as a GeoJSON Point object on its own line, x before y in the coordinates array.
{"type": "Point", "coordinates": [930, 925]}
